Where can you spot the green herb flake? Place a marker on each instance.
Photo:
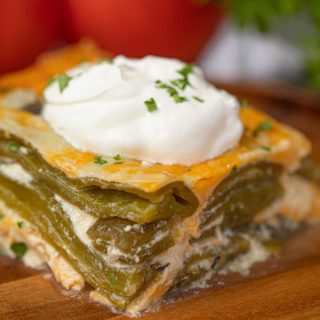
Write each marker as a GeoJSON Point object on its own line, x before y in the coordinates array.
{"type": "Point", "coordinates": [14, 146]}
{"type": "Point", "coordinates": [234, 170]}
{"type": "Point", "coordinates": [50, 81]}
{"type": "Point", "coordinates": [179, 99]}
{"type": "Point", "coordinates": [117, 158]}
{"type": "Point", "coordinates": [266, 148]}
{"type": "Point", "coordinates": [244, 104]}
{"type": "Point", "coordinates": [106, 60]}
{"type": "Point", "coordinates": [63, 80]}
{"type": "Point", "coordinates": [151, 105]}
{"type": "Point", "coordinates": [19, 249]}
{"type": "Point", "coordinates": [100, 160]}
{"type": "Point", "coordinates": [186, 70]}
{"type": "Point", "coordinates": [1, 216]}
{"type": "Point", "coordinates": [20, 224]}
{"type": "Point", "coordinates": [171, 91]}
{"type": "Point", "coordinates": [262, 126]}
{"type": "Point", "coordinates": [198, 99]}
{"type": "Point", "coordinates": [183, 82]}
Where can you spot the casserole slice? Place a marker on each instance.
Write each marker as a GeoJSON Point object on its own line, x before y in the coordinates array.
{"type": "Point", "coordinates": [136, 231]}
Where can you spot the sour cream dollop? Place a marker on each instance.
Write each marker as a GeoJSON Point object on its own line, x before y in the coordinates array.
{"type": "Point", "coordinates": [103, 108]}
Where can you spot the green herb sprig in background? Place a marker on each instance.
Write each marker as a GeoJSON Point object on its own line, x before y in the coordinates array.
{"type": "Point", "coordinates": [263, 14]}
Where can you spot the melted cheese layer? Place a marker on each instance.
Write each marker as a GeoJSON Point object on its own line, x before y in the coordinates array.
{"type": "Point", "coordinates": [286, 147]}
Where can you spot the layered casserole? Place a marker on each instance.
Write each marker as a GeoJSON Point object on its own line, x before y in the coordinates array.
{"type": "Point", "coordinates": [136, 230]}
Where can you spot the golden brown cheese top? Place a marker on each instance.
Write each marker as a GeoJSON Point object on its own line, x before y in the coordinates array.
{"type": "Point", "coordinates": [49, 64]}
{"type": "Point", "coordinates": [281, 144]}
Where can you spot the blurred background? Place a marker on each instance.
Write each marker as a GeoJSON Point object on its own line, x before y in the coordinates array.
{"type": "Point", "coordinates": [236, 42]}
{"type": "Point", "coordinates": [264, 51]}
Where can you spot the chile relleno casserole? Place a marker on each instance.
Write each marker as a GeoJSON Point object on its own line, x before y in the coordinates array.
{"type": "Point", "coordinates": [135, 230]}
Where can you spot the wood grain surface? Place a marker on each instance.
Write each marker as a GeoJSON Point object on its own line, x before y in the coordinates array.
{"type": "Point", "coordinates": [284, 287]}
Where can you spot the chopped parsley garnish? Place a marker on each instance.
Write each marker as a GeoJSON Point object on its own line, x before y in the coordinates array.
{"type": "Point", "coordinates": [19, 249]}
{"type": "Point", "coordinates": [117, 158]}
{"type": "Point", "coordinates": [244, 104]}
{"type": "Point", "coordinates": [63, 80]}
{"type": "Point", "coordinates": [98, 61]}
{"type": "Point", "coordinates": [262, 126]}
{"type": "Point", "coordinates": [266, 148]}
{"type": "Point", "coordinates": [51, 80]}
{"type": "Point", "coordinates": [198, 99]}
{"type": "Point", "coordinates": [178, 84]}
{"type": "Point", "coordinates": [171, 90]}
{"type": "Point", "coordinates": [151, 105]}
{"type": "Point", "coordinates": [20, 224]}
{"type": "Point", "coordinates": [234, 169]}
{"type": "Point", "coordinates": [100, 160]}
{"type": "Point", "coordinates": [183, 82]}
{"type": "Point", "coordinates": [14, 146]}
{"type": "Point", "coordinates": [1, 215]}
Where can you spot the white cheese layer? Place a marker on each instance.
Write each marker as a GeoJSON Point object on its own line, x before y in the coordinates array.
{"type": "Point", "coordinates": [81, 221]}
{"type": "Point", "coordinates": [15, 172]}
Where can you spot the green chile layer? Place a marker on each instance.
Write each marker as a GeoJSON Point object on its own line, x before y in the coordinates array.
{"type": "Point", "coordinates": [237, 199]}
{"type": "Point", "coordinates": [103, 199]}
{"type": "Point", "coordinates": [38, 206]}
{"type": "Point", "coordinates": [243, 194]}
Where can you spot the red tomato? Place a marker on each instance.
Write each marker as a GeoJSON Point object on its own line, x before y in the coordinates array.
{"type": "Point", "coordinates": [174, 28]}
{"type": "Point", "coordinates": [27, 27]}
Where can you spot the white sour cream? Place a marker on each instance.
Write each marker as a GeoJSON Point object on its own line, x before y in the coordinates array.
{"type": "Point", "coordinates": [102, 110]}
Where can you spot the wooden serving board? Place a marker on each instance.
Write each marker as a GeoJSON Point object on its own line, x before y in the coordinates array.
{"type": "Point", "coordinates": [284, 287]}
{"type": "Point", "coordinates": [287, 287]}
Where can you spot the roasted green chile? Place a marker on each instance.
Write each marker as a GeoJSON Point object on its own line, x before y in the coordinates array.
{"type": "Point", "coordinates": [135, 227]}
{"type": "Point", "coordinates": [212, 259]}
{"type": "Point", "coordinates": [98, 198]}
{"type": "Point", "coordinates": [39, 207]}
{"type": "Point", "coordinates": [272, 237]}
{"type": "Point", "coordinates": [135, 243]}
{"type": "Point", "coordinates": [243, 194]}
